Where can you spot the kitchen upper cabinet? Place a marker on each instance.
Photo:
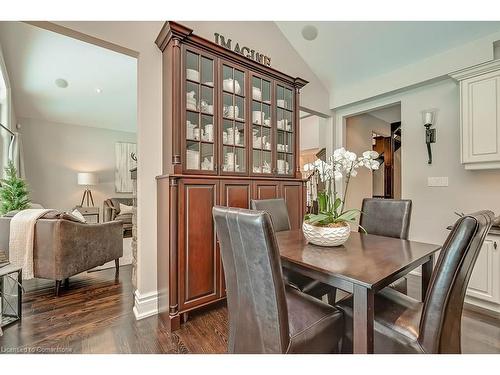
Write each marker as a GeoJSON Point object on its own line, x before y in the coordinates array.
{"type": "Point", "coordinates": [484, 285]}
{"type": "Point", "coordinates": [480, 115]}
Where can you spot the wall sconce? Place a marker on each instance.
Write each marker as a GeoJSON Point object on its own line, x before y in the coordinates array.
{"type": "Point", "coordinates": [429, 119]}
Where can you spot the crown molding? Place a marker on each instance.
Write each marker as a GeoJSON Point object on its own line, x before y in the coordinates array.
{"type": "Point", "coordinates": [476, 70]}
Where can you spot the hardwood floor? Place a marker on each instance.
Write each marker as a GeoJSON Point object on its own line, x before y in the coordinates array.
{"type": "Point", "coordinates": [95, 316]}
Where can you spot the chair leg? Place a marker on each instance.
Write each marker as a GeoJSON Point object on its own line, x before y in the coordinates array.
{"type": "Point", "coordinates": [117, 268]}
{"type": "Point", "coordinates": [58, 286]}
{"type": "Point", "coordinates": [66, 283]}
{"type": "Point", "coordinates": [332, 296]}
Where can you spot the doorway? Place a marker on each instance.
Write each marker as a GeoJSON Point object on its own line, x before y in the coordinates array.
{"type": "Point", "coordinates": [378, 130]}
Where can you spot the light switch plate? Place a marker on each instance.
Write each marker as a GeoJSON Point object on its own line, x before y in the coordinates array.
{"type": "Point", "coordinates": [437, 181]}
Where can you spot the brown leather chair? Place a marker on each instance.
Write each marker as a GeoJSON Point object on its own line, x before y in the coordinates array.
{"type": "Point", "coordinates": [281, 222]}
{"type": "Point", "coordinates": [405, 325]}
{"type": "Point", "coordinates": [111, 211]}
{"type": "Point", "coordinates": [265, 315]}
{"type": "Point", "coordinates": [389, 218]}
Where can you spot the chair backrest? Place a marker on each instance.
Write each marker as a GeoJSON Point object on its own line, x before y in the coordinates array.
{"type": "Point", "coordinates": [258, 317]}
{"type": "Point", "coordinates": [277, 209]}
{"type": "Point", "coordinates": [386, 217]}
{"type": "Point", "coordinates": [442, 311]}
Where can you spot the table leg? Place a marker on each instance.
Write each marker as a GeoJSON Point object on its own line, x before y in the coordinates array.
{"type": "Point", "coordinates": [363, 316]}
{"type": "Point", "coordinates": [426, 275]}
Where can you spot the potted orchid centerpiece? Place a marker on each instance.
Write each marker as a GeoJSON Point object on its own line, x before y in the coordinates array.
{"type": "Point", "coordinates": [330, 226]}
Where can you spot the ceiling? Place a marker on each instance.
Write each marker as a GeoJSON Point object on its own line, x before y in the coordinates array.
{"type": "Point", "coordinates": [388, 114]}
{"type": "Point", "coordinates": [349, 52]}
{"type": "Point", "coordinates": [35, 58]}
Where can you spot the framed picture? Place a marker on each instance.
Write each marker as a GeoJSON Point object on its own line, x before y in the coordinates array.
{"type": "Point", "coordinates": [124, 163]}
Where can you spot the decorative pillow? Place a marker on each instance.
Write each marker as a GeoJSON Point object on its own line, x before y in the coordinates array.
{"type": "Point", "coordinates": [78, 215]}
{"type": "Point", "coordinates": [124, 209]}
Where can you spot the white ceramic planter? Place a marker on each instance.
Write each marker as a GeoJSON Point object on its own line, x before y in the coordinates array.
{"type": "Point", "coordinates": [326, 236]}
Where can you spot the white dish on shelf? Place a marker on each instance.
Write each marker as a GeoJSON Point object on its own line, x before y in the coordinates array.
{"type": "Point", "coordinates": [231, 85]}
{"type": "Point", "coordinates": [209, 83]}
{"type": "Point", "coordinates": [256, 93]}
{"type": "Point", "coordinates": [281, 103]}
{"type": "Point", "coordinates": [257, 117]}
{"type": "Point", "coordinates": [193, 75]}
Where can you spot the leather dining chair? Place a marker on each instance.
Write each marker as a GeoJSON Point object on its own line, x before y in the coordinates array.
{"type": "Point", "coordinates": [405, 325]}
{"type": "Point", "coordinates": [389, 218]}
{"type": "Point", "coordinates": [281, 222]}
{"type": "Point", "coordinates": [265, 315]}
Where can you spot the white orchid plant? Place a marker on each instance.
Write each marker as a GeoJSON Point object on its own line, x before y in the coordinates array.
{"type": "Point", "coordinates": [342, 165]}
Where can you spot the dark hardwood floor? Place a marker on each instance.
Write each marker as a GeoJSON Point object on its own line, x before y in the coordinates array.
{"type": "Point", "coordinates": [95, 316]}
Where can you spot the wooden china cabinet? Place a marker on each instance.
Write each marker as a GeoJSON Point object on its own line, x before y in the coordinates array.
{"type": "Point", "coordinates": [230, 134]}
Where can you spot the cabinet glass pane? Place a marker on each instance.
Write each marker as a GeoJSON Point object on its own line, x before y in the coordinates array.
{"type": "Point", "coordinates": [228, 108]}
{"type": "Point", "coordinates": [207, 157]}
{"type": "Point", "coordinates": [207, 100]}
{"type": "Point", "coordinates": [192, 95]}
{"type": "Point", "coordinates": [288, 121]}
{"type": "Point", "coordinates": [256, 137]}
{"type": "Point", "coordinates": [207, 128]}
{"type": "Point", "coordinates": [256, 162]}
{"type": "Point", "coordinates": [288, 99]}
{"type": "Point", "coordinates": [282, 164]}
{"type": "Point", "coordinates": [239, 139]}
{"type": "Point", "coordinates": [266, 138]}
{"type": "Point", "coordinates": [240, 159]}
{"type": "Point", "coordinates": [280, 119]}
{"type": "Point", "coordinates": [191, 125]}
{"type": "Point", "coordinates": [228, 133]}
{"type": "Point", "coordinates": [266, 162]}
{"type": "Point", "coordinates": [239, 84]}
{"type": "Point", "coordinates": [257, 112]}
{"type": "Point", "coordinates": [207, 71]}
{"type": "Point", "coordinates": [280, 96]}
{"type": "Point", "coordinates": [266, 91]}
{"type": "Point", "coordinates": [239, 109]}
{"type": "Point", "coordinates": [229, 159]}
{"type": "Point", "coordinates": [256, 89]}
{"type": "Point", "coordinates": [192, 155]}
{"type": "Point", "coordinates": [266, 114]}
{"type": "Point", "coordinates": [192, 66]}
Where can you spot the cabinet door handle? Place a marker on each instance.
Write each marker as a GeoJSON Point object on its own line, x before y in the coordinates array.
{"type": "Point", "coordinates": [495, 245]}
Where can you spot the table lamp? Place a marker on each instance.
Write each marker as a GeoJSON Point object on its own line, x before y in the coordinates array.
{"type": "Point", "coordinates": [87, 179]}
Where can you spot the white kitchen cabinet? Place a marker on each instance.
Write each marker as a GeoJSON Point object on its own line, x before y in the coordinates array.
{"type": "Point", "coordinates": [484, 285]}
{"type": "Point", "coordinates": [480, 115]}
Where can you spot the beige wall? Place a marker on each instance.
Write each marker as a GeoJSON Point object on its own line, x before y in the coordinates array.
{"type": "Point", "coordinates": [359, 139]}
{"type": "Point", "coordinates": [54, 154]}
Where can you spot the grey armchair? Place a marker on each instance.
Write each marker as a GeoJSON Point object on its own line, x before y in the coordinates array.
{"type": "Point", "coordinates": [111, 211]}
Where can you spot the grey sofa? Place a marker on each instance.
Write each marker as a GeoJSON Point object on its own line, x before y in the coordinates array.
{"type": "Point", "coordinates": [64, 247]}
{"type": "Point", "coordinates": [111, 211]}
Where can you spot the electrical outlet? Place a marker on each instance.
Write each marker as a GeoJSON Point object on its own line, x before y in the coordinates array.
{"type": "Point", "coordinates": [437, 181]}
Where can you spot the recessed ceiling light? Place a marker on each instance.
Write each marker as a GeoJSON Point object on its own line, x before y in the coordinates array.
{"type": "Point", "coordinates": [98, 90]}
{"type": "Point", "coordinates": [309, 32]}
{"type": "Point", "coordinates": [61, 83]}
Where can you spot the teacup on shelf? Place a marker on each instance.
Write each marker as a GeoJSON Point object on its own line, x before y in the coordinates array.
{"type": "Point", "coordinates": [256, 93]}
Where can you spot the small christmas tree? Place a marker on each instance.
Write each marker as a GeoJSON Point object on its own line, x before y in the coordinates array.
{"type": "Point", "coordinates": [14, 193]}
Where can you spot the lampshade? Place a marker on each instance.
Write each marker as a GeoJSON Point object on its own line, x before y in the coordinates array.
{"type": "Point", "coordinates": [86, 178]}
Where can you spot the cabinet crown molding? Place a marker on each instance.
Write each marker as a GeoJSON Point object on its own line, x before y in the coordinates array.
{"type": "Point", "coordinates": [476, 70]}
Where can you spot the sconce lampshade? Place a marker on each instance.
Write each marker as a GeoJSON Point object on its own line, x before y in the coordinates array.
{"type": "Point", "coordinates": [87, 179]}
{"type": "Point", "coordinates": [428, 118]}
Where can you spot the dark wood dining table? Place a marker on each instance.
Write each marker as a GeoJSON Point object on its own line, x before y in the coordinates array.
{"type": "Point", "coordinates": [364, 265]}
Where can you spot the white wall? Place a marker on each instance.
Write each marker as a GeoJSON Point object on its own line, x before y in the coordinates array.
{"type": "Point", "coordinates": [434, 67]}
{"type": "Point", "coordinates": [468, 191]}
{"type": "Point", "coordinates": [359, 139]}
{"type": "Point", "coordinates": [54, 153]}
{"type": "Point", "coordinates": [140, 37]}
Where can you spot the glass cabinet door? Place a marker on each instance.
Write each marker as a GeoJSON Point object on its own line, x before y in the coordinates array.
{"type": "Point", "coordinates": [262, 135]}
{"type": "Point", "coordinates": [200, 122]}
{"type": "Point", "coordinates": [234, 137]}
{"type": "Point", "coordinates": [285, 127]}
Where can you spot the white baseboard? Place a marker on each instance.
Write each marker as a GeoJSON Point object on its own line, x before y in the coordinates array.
{"type": "Point", "coordinates": [145, 305]}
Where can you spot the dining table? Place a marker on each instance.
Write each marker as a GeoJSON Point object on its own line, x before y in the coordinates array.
{"type": "Point", "coordinates": [362, 266]}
